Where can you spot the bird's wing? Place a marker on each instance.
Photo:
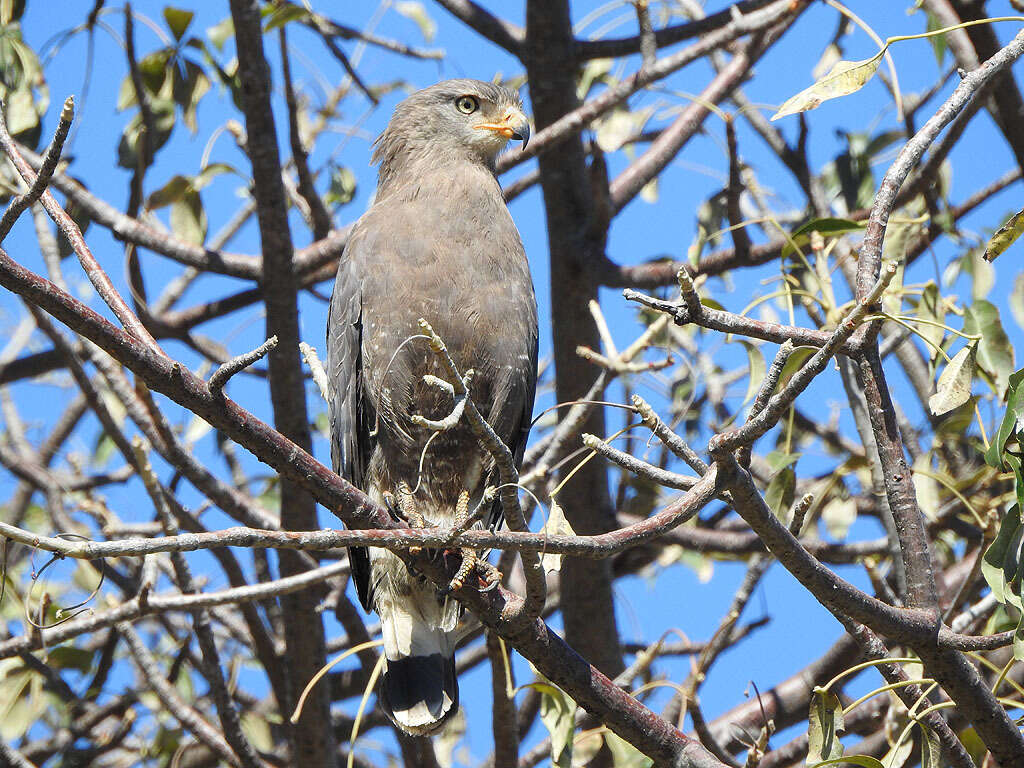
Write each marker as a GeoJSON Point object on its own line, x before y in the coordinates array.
{"type": "Point", "coordinates": [351, 443]}
{"type": "Point", "coordinates": [520, 435]}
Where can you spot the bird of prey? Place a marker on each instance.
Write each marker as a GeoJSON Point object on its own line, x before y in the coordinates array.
{"type": "Point", "coordinates": [437, 243]}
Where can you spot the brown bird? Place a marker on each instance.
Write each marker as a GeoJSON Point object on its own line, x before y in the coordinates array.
{"type": "Point", "coordinates": [437, 243]}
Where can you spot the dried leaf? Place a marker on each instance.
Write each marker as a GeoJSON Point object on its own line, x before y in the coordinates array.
{"type": "Point", "coordinates": [1005, 236]}
{"type": "Point", "coordinates": [844, 78]}
{"type": "Point", "coordinates": [556, 524]}
{"type": "Point", "coordinates": [954, 386]}
{"type": "Point", "coordinates": [839, 514]}
{"type": "Point", "coordinates": [412, 9]}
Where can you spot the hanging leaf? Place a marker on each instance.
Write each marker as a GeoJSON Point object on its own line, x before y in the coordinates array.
{"type": "Point", "coordinates": [220, 33]}
{"type": "Point", "coordinates": [177, 21]}
{"type": "Point", "coordinates": [931, 750]}
{"type": "Point", "coordinates": [188, 218]}
{"type": "Point", "coordinates": [781, 488]}
{"type": "Point", "coordinates": [838, 515]}
{"type": "Point", "coordinates": [823, 726]}
{"type": "Point", "coordinates": [954, 386]}
{"type": "Point", "coordinates": [756, 370]}
{"type": "Point", "coordinates": [556, 524]}
{"type": "Point", "coordinates": [864, 761]}
{"type": "Point", "coordinates": [927, 488]}
{"type": "Point", "coordinates": [899, 753]}
{"type": "Point", "coordinates": [1017, 299]}
{"type": "Point", "coordinates": [1013, 420]}
{"type": "Point", "coordinates": [931, 307]}
{"type": "Point", "coordinates": [825, 226]}
{"type": "Point", "coordinates": [1005, 236]}
{"type": "Point", "coordinates": [995, 353]}
{"type": "Point", "coordinates": [342, 188]}
{"type": "Point", "coordinates": [558, 713]}
{"type": "Point", "coordinates": [844, 78]}
{"type": "Point", "coordinates": [995, 556]}
{"type": "Point", "coordinates": [624, 754]}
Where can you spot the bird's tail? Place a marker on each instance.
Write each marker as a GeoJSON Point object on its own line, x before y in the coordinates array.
{"type": "Point", "coordinates": [419, 689]}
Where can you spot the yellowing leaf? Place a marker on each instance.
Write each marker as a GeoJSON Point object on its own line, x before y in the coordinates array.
{"type": "Point", "coordinates": [844, 78]}
{"type": "Point", "coordinates": [839, 514]}
{"type": "Point", "coordinates": [556, 524]}
{"type": "Point", "coordinates": [954, 387]}
{"type": "Point", "coordinates": [1005, 236]}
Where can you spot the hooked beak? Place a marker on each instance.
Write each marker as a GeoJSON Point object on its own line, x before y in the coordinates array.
{"type": "Point", "coordinates": [514, 125]}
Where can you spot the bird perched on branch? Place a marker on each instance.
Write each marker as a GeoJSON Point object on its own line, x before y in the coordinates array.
{"type": "Point", "coordinates": [438, 243]}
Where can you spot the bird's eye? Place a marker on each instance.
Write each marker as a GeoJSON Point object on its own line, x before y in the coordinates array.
{"type": "Point", "coordinates": [467, 105]}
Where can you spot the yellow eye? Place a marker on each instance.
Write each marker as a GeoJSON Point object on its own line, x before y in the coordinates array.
{"type": "Point", "coordinates": [467, 105]}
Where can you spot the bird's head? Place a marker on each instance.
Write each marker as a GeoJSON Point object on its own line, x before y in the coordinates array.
{"type": "Point", "coordinates": [455, 119]}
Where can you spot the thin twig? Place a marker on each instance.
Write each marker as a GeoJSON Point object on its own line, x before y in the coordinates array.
{"type": "Point", "coordinates": [237, 364]}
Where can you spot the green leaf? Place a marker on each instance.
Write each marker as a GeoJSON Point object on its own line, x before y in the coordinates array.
{"type": "Point", "coordinates": [558, 713]}
{"type": "Point", "coordinates": [781, 488]}
{"type": "Point", "coordinates": [995, 353]}
{"type": "Point", "coordinates": [1018, 641]}
{"type": "Point", "coordinates": [174, 190]}
{"type": "Point", "coordinates": [188, 219]}
{"type": "Point", "coordinates": [794, 363]}
{"type": "Point", "coordinates": [898, 753]}
{"type": "Point", "coordinates": [864, 761]}
{"type": "Point", "coordinates": [624, 754]}
{"type": "Point", "coordinates": [1013, 419]}
{"type": "Point", "coordinates": [342, 188]}
{"type": "Point", "coordinates": [824, 723]}
{"type": "Point", "coordinates": [756, 370]}
{"type": "Point", "coordinates": [178, 21]}
{"type": "Point", "coordinates": [1005, 236]}
{"type": "Point", "coordinates": [995, 555]}
{"type": "Point", "coordinates": [844, 78]}
{"type": "Point", "coordinates": [210, 172]}
{"type": "Point", "coordinates": [284, 13]}
{"type": "Point", "coordinates": [938, 42]}
{"type": "Point", "coordinates": [71, 657]}
{"type": "Point", "coordinates": [828, 226]}
{"type": "Point", "coordinates": [257, 730]}
{"type": "Point", "coordinates": [931, 750]}
{"type": "Point", "coordinates": [954, 386]}
{"type": "Point", "coordinates": [931, 307]}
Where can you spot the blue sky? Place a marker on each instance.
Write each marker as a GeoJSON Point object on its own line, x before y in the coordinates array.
{"type": "Point", "coordinates": [800, 630]}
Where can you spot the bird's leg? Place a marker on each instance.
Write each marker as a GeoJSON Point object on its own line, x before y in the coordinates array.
{"type": "Point", "coordinates": [407, 509]}
{"type": "Point", "coordinates": [471, 562]}
{"type": "Point", "coordinates": [470, 559]}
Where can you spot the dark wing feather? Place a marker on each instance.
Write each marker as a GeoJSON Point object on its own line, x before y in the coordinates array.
{"type": "Point", "coordinates": [517, 443]}
{"type": "Point", "coordinates": [351, 443]}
